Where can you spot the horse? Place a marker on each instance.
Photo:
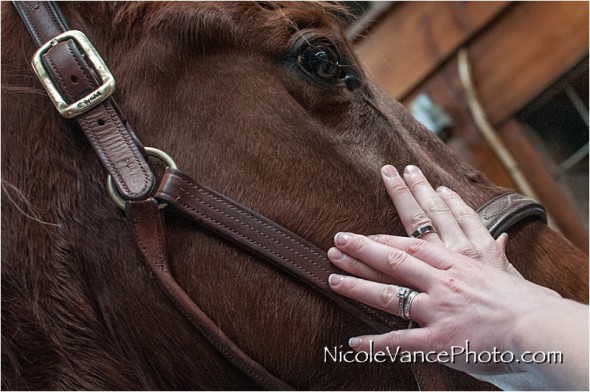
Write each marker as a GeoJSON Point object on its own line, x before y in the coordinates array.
{"type": "Point", "coordinates": [236, 94]}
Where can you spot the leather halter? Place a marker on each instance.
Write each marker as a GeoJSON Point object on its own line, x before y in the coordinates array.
{"type": "Point", "coordinates": [80, 86]}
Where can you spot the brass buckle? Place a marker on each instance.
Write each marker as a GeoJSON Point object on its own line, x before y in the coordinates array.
{"type": "Point", "coordinates": [104, 91]}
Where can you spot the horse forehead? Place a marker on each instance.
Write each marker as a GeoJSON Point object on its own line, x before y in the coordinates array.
{"type": "Point", "coordinates": [265, 26]}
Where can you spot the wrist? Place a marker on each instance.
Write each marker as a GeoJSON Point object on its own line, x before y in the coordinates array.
{"type": "Point", "coordinates": [531, 328]}
{"type": "Point", "coordinates": [561, 327]}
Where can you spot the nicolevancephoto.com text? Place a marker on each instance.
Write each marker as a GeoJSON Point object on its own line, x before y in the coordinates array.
{"type": "Point", "coordinates": [457, 353]}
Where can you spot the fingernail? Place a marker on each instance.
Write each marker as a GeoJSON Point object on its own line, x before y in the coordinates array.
{"type": "Point", "coordinates": [354, 343]}
{"type": "Point", "coordinates": [335, 255]}
{"type": "Point", "coordinates": [374, 237]}
{"type": "Point", "coordinates": [335, 280]}
{"type": "Point", "coordinates": [412, 170]}
{"type": "Point", "coordinates": [341, 238]}
{"type": "Point", "coordinates": [389, 171]}
{"type": "Point", "coordinates": [443, 189]}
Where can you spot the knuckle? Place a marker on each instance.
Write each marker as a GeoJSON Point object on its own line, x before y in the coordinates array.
{"type": "Point", "coordinates": [359, 243]}
{"type": "Point", "coordinates": [437, 207]}
{"type": "Point", "coordinates": [351, 283]}
{"type": "Point", "coordinates": [392, 339]}
{"type": "Point", "coordinates": [389, 297]}
{"type": "Point", "coordinates": [419, 182]}
{"type": "Point", "coordinates": [399, 188]}
{"type": "Point", "coordinates": [465, 215]}
{"type": "Point", "coordinates": [395, 259]}
{"type": "Point", "coordinates": [486, 248]}
{"type": "Point", "coordinates": [452, 284]}
{"type": "Point", "coordinates": [417, 246]}
{"type": "Point", "coordinates": [467, 249]}
{"type": "Point", "coordinates": [450, 195]}
{"type": "Point", "coordinates": [355, 265]}
{"type": "Point", "coordinates": [348, 263]}
{"type": "Point", "coordinates": [379, 238]}
{"type": "Point", "coordinates": [419, 218]}
{"type": "Point", "coordinates": [384, 241]}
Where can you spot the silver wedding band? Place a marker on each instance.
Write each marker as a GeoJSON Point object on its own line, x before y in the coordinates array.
{"type": "Point", "coordinates": [420, 231]}
{"type": "Point", "coordinates": [408, 304]}
{"type": "Point", "coordinates": [406, 297]}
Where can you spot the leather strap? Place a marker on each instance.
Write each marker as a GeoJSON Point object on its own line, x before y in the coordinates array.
{"type": "Point", "coordinates": [502, 212]}
{"type": "Point", "coordinates": [107, 130]}
{"type": "Point", "coordinates": [289, 252]}
{"type": "Point", "coordinates": [147, 225]}
{"type": "Point", "coordinates": [42, 18]}
{"type": "Point", "coordinates": [266, 240]}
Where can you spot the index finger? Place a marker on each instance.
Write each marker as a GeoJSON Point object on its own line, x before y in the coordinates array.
{"type": "Point", "coordinates": [418, 248]}
{"type": "Point", "coordinates": [389, 260]}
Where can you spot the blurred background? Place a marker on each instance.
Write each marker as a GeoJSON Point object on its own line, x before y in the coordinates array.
{"type": "Point", "coordinates": [504, 84]}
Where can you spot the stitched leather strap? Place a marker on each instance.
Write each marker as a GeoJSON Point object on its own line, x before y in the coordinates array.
{"type": "Point", "coordinates": [503, 211]}
{"type": "Point", "coordinates": [43, 20]}
{"type": "Point", "coordinates": [147, 224]}
{"type": "Point", "coordinates": [107, 130]}
{"type": "Point", "coordinates": [293, 254]}
{"type": "Point", "coordinates": [265, 239]}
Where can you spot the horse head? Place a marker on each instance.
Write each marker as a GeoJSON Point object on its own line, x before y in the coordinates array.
{"type": "Point", "coordinates": [265, 103]}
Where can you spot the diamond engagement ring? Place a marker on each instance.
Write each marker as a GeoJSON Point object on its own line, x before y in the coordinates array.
{"type": "Point", "coordinates": [402, 294]}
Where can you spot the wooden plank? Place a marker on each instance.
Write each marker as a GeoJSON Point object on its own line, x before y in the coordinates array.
{"type": "Point", "coordinates": [526, 50]}
{"type": "Point", "coordinates": [466, 141]}
{"type": "Point", "coordinates": [516, 56]}
{"type": "Point", "coordinates": [553, 197]}
{"type": "Point", "coordinates": [416, 37]}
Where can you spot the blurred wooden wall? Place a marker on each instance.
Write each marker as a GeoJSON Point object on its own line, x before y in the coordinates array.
{"type": "Point", "coordinates": [516, 50]}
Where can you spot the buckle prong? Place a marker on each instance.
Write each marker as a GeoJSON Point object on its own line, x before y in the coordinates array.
{"type": "Point", "coordinates": [97, 96]}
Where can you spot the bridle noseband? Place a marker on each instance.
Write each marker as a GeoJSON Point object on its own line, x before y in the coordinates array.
{"type": "Point", "coordinates": [80, 86]}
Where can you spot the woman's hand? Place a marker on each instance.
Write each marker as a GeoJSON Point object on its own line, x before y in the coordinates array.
{"type": "Point", "coordinates": [468, 291]}
{"type": "Point", "coordinates": [458, 227]}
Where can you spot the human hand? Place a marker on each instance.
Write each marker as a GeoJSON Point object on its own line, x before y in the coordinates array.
{"type": "Point", "coordinates": [465, 296]}
{"type": "Point", "coordinates": [457, 226]}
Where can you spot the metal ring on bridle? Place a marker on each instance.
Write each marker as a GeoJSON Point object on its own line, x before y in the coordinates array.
{"type": "Point", "coordinates": [408, 304]}
{"type": "Point", "coordinates": [420, 231]}
{"type": "Point", "coordinates": [152, 152]}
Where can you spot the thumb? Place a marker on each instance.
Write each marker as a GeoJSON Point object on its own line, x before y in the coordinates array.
{"type": "Point", "coordinates": [503, 240]}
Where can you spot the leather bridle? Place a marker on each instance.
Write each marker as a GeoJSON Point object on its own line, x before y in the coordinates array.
{"type": "Point", "coordinates": [80, 85]}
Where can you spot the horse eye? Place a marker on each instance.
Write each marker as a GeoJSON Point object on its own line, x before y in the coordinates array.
{"type": "Point", "coordinates": [322, 61]}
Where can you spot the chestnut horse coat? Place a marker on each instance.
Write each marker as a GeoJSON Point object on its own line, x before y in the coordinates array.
{"type": "Point", "coordinates": [229, 90]}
